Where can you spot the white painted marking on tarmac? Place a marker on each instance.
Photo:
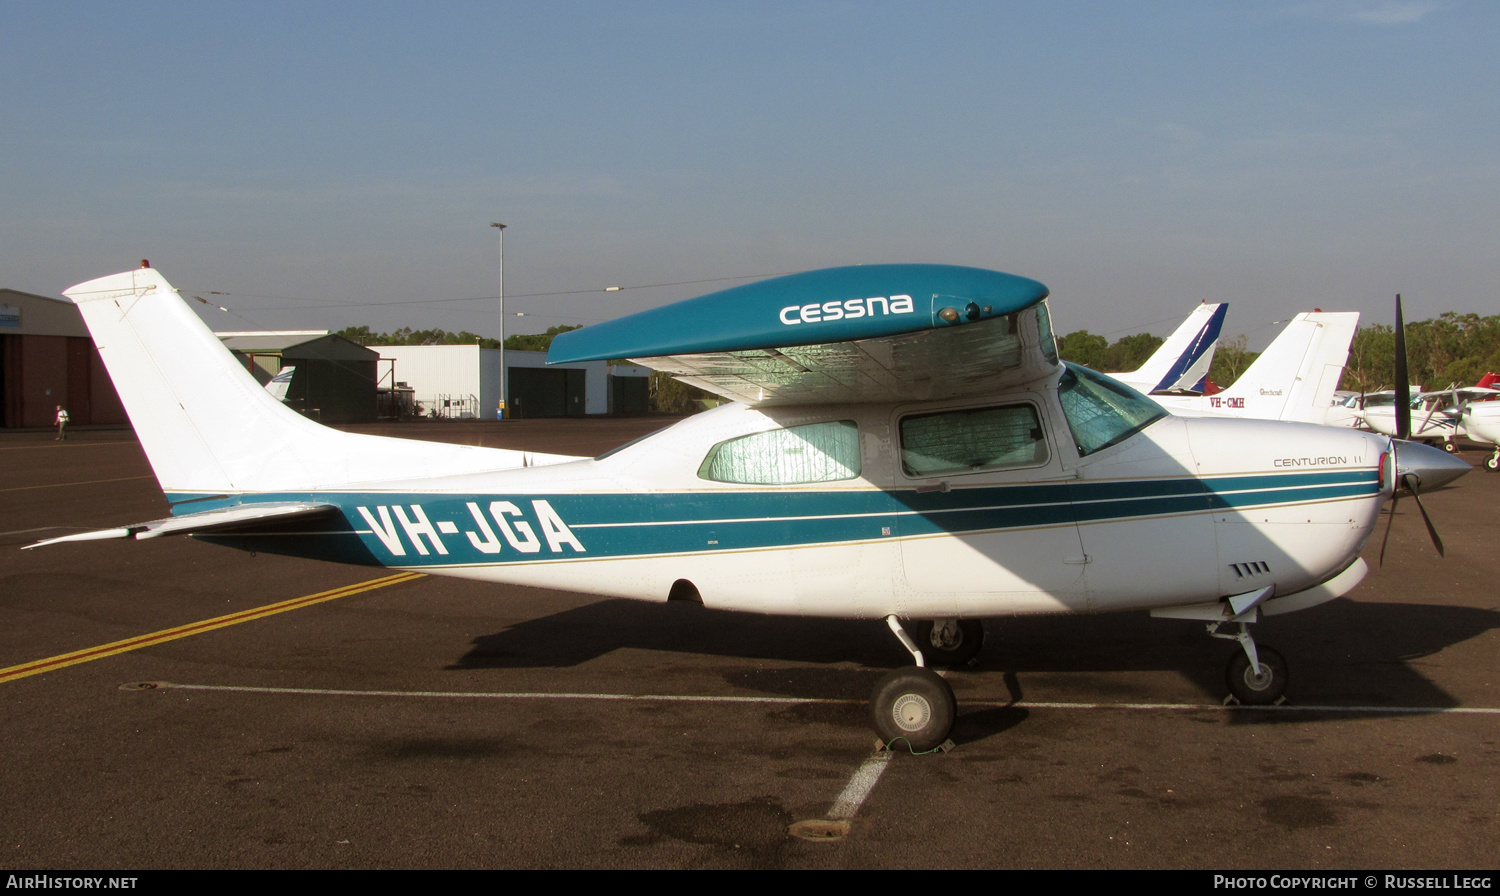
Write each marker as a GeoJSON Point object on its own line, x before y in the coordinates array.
{"type": "Point", "coordinates": [795, 701]}
{"type": "Point", "coordinates": [1243, 707]}
{"type": "Point", "coordinates": [859, 786]}
{"type": "Point", "coordinates": [482, 695]}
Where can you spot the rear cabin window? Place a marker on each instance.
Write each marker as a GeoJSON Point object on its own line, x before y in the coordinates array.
{"type": "Point", "coordinates": [817, 452]}
{"type": "Point", "coordinates": [972, 440]}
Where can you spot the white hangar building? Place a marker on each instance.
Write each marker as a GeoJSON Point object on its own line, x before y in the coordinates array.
{"type": "Point", "coordinates": [464, 381]}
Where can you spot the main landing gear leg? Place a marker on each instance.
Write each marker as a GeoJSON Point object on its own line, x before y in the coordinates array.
{"type": "Point", "coordinates": [912, 703]}
{"type": "Point", "coordinates": [1257, 676]}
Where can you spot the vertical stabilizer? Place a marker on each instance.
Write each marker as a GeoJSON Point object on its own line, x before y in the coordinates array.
{"type": "Point", "coordinates": [209, 428]}
{"type": "Point", "coordinates": [280, 383]}
{"type": "Point", "coordinates": [1182, 362]}
{"type": "Point", "coordinates": [1296, 376]}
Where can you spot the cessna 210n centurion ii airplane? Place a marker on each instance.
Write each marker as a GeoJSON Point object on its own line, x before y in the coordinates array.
{"type": "Point", "coordinates": [904, 444]}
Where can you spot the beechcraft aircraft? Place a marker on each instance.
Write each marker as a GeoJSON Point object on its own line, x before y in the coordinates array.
{"type": "Point", "coordinates": [904, 444]}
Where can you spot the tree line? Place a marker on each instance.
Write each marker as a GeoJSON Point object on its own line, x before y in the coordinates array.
{"type": "Point", "coordinates": [527, 342]}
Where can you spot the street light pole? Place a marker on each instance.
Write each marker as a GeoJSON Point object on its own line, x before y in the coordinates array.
{"type": "Point", "coordinates": [504, 404]}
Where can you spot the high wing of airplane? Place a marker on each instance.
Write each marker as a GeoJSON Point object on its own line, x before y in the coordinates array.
{"type": "Point", "coordinates": [1293, 379]}
{"type": "Point", "coordinates": [1181, 363]}
{"type": "Point", "coordinates": [904, 445]}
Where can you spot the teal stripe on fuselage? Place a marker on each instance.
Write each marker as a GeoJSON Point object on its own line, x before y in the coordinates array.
{"type": "Point", "coordinates": [556, 526]}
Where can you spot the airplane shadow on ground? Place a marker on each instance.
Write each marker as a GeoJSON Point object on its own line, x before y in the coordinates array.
{"type": "Point", "coordinates": [1342, 654]}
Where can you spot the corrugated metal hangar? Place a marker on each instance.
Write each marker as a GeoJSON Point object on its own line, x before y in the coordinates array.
{"type": "Point", "coordinates": [47, 360]}
{"type": "Point", "coordinates": [336, 378]}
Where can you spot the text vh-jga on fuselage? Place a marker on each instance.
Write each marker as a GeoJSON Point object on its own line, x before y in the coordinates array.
{"type": "Point", "coordinates": [486, 529]}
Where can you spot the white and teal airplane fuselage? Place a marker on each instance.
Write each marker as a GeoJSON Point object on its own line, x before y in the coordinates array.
{"type": "Point", "coordinates": [904, 444]}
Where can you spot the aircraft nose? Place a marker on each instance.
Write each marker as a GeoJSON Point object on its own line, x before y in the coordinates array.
{"type": "Point", "coordinates": [1433, 467]}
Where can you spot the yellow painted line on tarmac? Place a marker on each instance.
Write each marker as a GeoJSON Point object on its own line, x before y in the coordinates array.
{"type": "Point", "coordinates": [22, 488]}
{"type": "Point", "coordinates": [71, 443]}
{"type": "Point", "coordinates": [197, 628]}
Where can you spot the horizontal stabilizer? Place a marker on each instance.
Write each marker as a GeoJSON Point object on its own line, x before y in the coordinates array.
{"type": "Point", "coordinates": [207, 521]}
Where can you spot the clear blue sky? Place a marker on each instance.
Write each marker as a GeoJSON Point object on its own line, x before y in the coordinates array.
{"type": "Point", "coordinates": [1136, 157]}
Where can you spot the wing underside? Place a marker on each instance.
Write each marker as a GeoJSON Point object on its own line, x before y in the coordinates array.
{"type": "Point", "coordinates": [932, 364]}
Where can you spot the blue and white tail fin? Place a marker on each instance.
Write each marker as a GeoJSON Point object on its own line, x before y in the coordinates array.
{"type": "Point", "coordinates": [1295, 377]}
{"type": "Point", "coordinates": [209, 428]}
{"type": "Point", "coordinates": [280, 383]}
{"type": "Point", "coordinates": [1181, 363]}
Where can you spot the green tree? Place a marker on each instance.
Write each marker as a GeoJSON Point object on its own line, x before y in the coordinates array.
{"type": "Point", "coordinates": [535, 342]}
{"type": "Point", "coordinates": [669, 396]}
{"type": "Point", "coordinates": [1130, 352]}
{"type": "Point", "coordinates": [1083, 347]}
{"type": "Point", "coordinates": [1231, 360]}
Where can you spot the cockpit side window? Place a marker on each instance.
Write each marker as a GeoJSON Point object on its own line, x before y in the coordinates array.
{"type": "Point", "coordinates": [972, 440]}
{"type": "Point", "coordinates": [816, 452]}
{"type": "Point", "coordinates": [1101, 411]}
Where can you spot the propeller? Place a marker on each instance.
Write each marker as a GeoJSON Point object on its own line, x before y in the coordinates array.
{"type": "Point", "coordinates": [1412, 481]}
{"type": "Point", "coordinates": [1414, 461]}
{"type": "Point", "coordinates": [1403, 383]}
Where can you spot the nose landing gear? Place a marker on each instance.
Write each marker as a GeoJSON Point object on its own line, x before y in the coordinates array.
{"type": "Point", "coordinates": [1256, 676]}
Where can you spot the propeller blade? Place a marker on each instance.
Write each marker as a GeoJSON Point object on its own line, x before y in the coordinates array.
{"type": "Point", "coordinates": [1395, 498]}
{"type": "Point", "coordinates": [1403, 382]}
{"type": "Point", "coordinates": [1417, 464]}
{"type": "Point", "coordinates": [1431, 530]}
{"type": "Point", "coordinates": [1428, 419]}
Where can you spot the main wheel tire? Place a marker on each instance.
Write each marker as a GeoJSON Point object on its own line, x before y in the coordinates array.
{"type": "Point", "coordinates": [1254, 689]}
{"type": "Point", "coordinates": [915, 705]}
{"type": "Point", "coordinates": [1450, 446]}
{"type": "Point", "coordinates": [1492, 463]}
{"type": "Point", "coordinates": [963, 645]}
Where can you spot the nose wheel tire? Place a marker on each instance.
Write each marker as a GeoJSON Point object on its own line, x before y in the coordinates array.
{"type": "Point", "coordinates": [915, 705]}
{"type": "Point", "coordinates": [952, 642]}
{"type": "Point", "coordinates": [1257, 688]}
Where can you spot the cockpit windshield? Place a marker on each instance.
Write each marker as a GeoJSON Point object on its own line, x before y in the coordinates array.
{"type": "Point", "coordinates": [1101, 411]}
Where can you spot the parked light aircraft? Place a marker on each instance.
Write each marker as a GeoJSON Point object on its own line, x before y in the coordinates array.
{"type": "Point", "coordinates": [1469, 411]}
{"type": "Point", "coordinates": [1481, 422]}
{"type": "Point", "coordinates": [1432, 415]}
{"type": "Point", "coordinates": [1293, 379]}
{"type": "Point", "coordinates": [904, 444]}
{"type": "Point", "coordinates": [1180, 364]}
{"type": "Point", "coordinates": [280, 383]}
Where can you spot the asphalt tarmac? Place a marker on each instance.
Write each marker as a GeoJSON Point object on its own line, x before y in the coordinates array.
{"type": "Point", "coordinates": [155, 719]}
